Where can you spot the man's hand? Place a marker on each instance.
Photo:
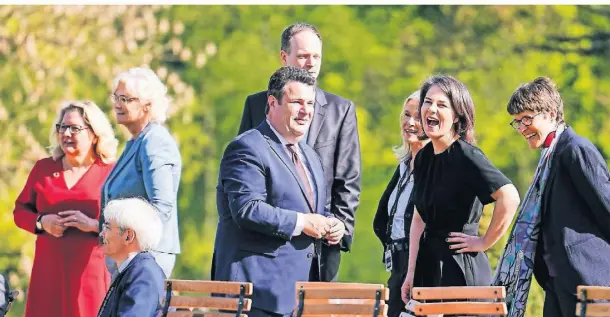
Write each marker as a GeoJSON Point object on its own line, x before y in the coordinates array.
{"type": "Point", "coordinates": [316, 226]}
{"type": "Point", "coordinates": [336, 230]}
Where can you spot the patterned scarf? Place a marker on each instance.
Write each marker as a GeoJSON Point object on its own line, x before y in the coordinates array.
{"type": "Point", "coordinates": [516, 266]}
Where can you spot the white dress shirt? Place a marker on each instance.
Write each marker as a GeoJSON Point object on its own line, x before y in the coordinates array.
{"type": "Point", "coordinates": [300, 217]}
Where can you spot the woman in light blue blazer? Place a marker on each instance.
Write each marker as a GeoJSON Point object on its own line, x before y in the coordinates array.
{"type": "Point", "coordinates": [150, 165]}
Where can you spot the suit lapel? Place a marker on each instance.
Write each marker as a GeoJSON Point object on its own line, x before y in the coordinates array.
{"type": "Point", "coordinates": [277, 147]}
{"type": "Point", "coordinates": [318, 118]}
{"type": "Point", "coordinates": [126, 157]}
{"type": "Point", "coordinates": [565, 137]}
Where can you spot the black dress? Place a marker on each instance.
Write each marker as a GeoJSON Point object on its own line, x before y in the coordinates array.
{"type": "Point", "coordinates": [449, 192]}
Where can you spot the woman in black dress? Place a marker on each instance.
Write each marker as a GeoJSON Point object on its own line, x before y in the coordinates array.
{"type": "Point", "coordinates": [393, 218]}
{"type": "Point", "coordinates": [453, 180]}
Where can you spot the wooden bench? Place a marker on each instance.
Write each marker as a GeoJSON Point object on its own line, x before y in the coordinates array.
{"type": "Point", "coordinates": [237, 303]}
{"type": "Point", "coordinates": [463, 300]}
{"type": "Point", "coordinates": [341, 299]}
{"type": "Point", "coordinates": [586, 294]}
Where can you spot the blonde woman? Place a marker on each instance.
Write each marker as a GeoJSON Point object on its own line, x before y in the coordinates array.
{"type": "Point", "coordinates": [60, 203]}
{"type": "Point", "coordinates": [395, 210]}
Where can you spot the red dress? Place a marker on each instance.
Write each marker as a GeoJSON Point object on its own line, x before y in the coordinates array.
{"type": "Point", "coordinates": [69, 274]}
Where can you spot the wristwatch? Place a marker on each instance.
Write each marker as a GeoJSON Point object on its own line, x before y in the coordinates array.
{"type": "Point", "coordinates": [39, 224]}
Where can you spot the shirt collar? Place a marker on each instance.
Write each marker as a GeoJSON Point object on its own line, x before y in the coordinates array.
{"type": "Point", "coordinates": [549, 139]}
{"type": "Point", "coordinates": [125, 263]}
{"type": "Point", "coordinates": [281, 138]}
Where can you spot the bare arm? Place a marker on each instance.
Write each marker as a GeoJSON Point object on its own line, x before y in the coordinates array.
{"type": "Point", "coordinates": [507, 202]}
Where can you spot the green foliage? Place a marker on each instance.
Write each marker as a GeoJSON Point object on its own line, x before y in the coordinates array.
{"type": "Point", "coordinates": [212, 57]}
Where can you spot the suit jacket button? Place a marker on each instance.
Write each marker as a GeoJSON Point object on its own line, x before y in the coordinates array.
{"type": "Point", "coordinates": [309, 255]}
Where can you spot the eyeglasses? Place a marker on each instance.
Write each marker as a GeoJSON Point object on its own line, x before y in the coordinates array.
{"type": "Point", "coordinates": [526, 121]}
{"type": "Point", "coordinates": [74, 129]}
{"type": "Point", "coordinates": [121, 99]}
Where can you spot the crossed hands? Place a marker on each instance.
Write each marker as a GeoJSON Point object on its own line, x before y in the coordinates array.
{"type": "Point", "coordinates": [56, 224]}
{"type": "Point", "coordinates": [329, 228]}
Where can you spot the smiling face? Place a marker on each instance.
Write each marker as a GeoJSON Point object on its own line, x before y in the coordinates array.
{"type": "Point", "coordinates": [540, 125]}
{"type": "Point", "coordinates": [410, 122]}
{"type": "Point", "coordinates": [74, 136]}
{"type": "Point", "coordinates": [292, 116]}
{"type": "Point", "coordinates": [117, 243]}
{"type": "Point", "coordinates": [438, 116]}
{"type": "Point", "coordinates": [112, 238]}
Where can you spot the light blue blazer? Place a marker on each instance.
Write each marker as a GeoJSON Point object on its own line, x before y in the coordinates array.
{"type": "Point", "coordinates": [150, 168]}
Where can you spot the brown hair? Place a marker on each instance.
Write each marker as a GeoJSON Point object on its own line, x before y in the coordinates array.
{"type": "Point", "coordinates": [540, 95]}
{"type": "Point", "coordinates": [461, 103]}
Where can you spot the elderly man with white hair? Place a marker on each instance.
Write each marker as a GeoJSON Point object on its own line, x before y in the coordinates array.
{"type": "Point", "coordinates": [150, 165]}
{"type": "Point", "coordinates": [132, 228]}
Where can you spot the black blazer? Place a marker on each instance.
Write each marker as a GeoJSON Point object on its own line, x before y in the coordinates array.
{"type": "Point", "coordinates": [334, 136]}
{"type": "Point", "coordinates": [576, 215]}
{"type": "Point", "coordinates": [381, 216]}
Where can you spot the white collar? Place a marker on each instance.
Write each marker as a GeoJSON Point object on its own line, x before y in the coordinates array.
{"type": "Point", "coordinates": [130, 257]}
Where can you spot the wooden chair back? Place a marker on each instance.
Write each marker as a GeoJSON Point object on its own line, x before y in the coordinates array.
{"type": "Point", "coordinates": [460, 300]}
{"type": "Point", "coordinates": [586, 297]}
{"type": "Point", "coordinates": [222, 300]}
{"type": "Point", "coordinates": [341, 299]}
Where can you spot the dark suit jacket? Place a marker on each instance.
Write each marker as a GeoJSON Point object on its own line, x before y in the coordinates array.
{"type": "Point", "coordinates": [380, 222]}
{"type": "Point", "coordinates": [137, 291]}
{"type": "Point", "coordinates": [334, 136]}
{"type": "Point", "coordinates": [576, 215]}
{"type": "Point", "coordinates": [258, 197]}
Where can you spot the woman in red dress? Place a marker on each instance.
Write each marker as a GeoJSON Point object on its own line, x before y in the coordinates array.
{"type": "Point", "coordinates": [60, 204]}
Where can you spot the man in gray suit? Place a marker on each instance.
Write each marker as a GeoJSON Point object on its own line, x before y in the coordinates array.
{"type": "Point", "coordinates": [333, 135]}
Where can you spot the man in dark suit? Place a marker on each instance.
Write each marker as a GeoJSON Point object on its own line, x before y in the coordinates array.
{"type": "Point", "coordinates": [131, 228]}
{"type": "Point", "coordinates": [271, 200]}
{"type": "Point", "coordinates": [333, 135]}
{"type": "Point", "coordinates": [574, 244]}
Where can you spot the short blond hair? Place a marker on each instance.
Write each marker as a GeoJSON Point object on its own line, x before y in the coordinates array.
{"type": "Point", "coordinates": [146, 86]}
{"type": "Point", "coordinates": [94, 117]}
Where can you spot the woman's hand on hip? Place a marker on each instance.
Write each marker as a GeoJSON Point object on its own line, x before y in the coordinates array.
{"type": "Point", "coordinates": [466, 243]}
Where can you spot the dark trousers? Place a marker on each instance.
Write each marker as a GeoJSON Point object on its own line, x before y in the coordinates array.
{"type": "Point", "coordinates": [330, 260]}
{"type": "Point", "coordinates": [557, 301]}
{"type": "Point", "coordinates": [400, 262]}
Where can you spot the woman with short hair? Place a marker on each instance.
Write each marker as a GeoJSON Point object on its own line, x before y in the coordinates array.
{"type": "Point", "coordinates": [150, 165]}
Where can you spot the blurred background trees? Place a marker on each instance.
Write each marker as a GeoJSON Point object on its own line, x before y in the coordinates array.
{"type": "Point", "coordinates": [212, 57]}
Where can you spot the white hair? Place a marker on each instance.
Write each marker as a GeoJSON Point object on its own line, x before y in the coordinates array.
{"type": "Point", "coordinates": [138, 215]}
{"type": "Point", "coordinates": [403, 151]}
{"type": "Point", "coordinates": [94, 117]}
{"type": "Point", "coordinates": [145, 85]}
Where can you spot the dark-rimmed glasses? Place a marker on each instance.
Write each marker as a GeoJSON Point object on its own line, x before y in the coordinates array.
{"type": "Point", "coordinates": [121, 99]}
{"type": "Point", "coordinates": [74, 129]}
{"type": "Point", "coordinates": [526, 121]}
